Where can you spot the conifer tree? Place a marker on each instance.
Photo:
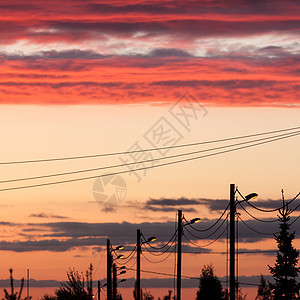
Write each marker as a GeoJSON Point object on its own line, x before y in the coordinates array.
{"type": "Point", "coordinates": [264, 290]}
{"type": "Point", "coordinates": [285, 270]}
{"type": "Point", "coordinates": [210, 286]}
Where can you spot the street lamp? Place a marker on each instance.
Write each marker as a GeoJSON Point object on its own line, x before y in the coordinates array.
{"type": "Point", "coordinates": [233, 203]}
{"type": "Point", "coordinates": [115, 283]}
{"type": "Point", "coordinates": [179, 247]}
{"type": "Point", "coordinates": [118, 248]}
{"type": "Point", "coordinates": [138, 260]}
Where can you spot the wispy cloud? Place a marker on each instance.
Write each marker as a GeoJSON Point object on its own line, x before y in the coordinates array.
{"type": "Point", "coordinates": [43, 215]}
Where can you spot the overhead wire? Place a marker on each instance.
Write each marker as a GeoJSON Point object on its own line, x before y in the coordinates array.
{"type": "Point", "coordinates": [289, 202]}
{"type": "Point", "coordinates": [143, 168]}
{"type": "Point", "coordinates": [159, 253]}
{"type": "Point", "coordinates": [259, 232]}
{"type": "Point", "coordinates": [214, 224]}
{"type": "Point", "coordinates": [165, 245]}
{"type": "Point", "coordinates": [159, 261]}
{"type": "Point", "coordinates": [207, 236]}
{"type": "Point", "coordinates": [295, 220]}
{"type": "Point", "coordinates": [255, 218]}
{"type": "Point", "coordinates": [261, 209]}
{"type": "Point", "coordinates": [206, 245]}
{"type": "Point", "coordinates": [145, 150]}
{"type": "Point", "coordinates": [135, 162]}
{"type": "Point", "coordinates": [186, 277]}
{"type": "Point", "coordinates": [128, 258]}
{"type": "Point", "coordinates": [275, 209]}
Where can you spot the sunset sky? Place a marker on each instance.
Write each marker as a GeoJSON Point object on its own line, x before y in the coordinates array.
{"type": "Point", "coordinates": [82, 78]}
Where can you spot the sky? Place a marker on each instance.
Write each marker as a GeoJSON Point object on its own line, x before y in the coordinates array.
{"type": "Point", "coordinates": [83, 78]}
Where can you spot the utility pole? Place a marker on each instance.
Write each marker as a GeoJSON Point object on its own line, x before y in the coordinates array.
{"type": "Point", "coordinates": [114, 282]}
{"type": "Point", "coordinates": [28, 283]}
{"type": "Point", "coordinates": [99, 290]}
{"type": "Point", "coordinates": [232, 242]}
{"type": "Point", "coordinates": [108, 264]}
{"type": "Point", "coordinates": [179, 248]}
{"type": "Point", "coordinates": [138, 264]}
{"type": "Point", "coordinates": [91, 281]}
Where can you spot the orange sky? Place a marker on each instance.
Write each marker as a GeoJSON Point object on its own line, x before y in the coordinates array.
{"type": "Point", "coordinates": [80, 78]}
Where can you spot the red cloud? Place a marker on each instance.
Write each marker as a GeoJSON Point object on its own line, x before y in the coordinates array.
{"type": "Point", "coordinates": [141, 79]}
{"type": "Point", "coordinates": [158, 40]}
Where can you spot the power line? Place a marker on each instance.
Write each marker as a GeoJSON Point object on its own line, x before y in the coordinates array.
{"type": "Point", "coordinates": [143, 168]}
{"type": "Point", "coordinates": [206, 245]}
{"type": "Point", "coordinates": [259, 232]}
{"type": "Point", "coordinates": [255, 218]}
{"type": "Point", "coordinates": [161, 252]}
{"type": "Point", "coordinates": [129, 257]}
{"type": "Point", "coordinates": [158, 248]}
{"type": "Point", "coordinates": [207, 236]}
{"type": "Point", "coordinates": [145, 150]}
{"type": "Point", "coordinates": [159, 261]}
{"type": "Point", "coordinates": [185, 276]}
{"type": "Point", "coordinates": [261, 209]}
{"type": "Point", "coordinates": [210, 227]}
{"type": "Point", "coordinates": [295, 220]}
{"type": "Point", "coordinates": [151, 160]}
{"type": "Point", "coordinates": [289, 202]}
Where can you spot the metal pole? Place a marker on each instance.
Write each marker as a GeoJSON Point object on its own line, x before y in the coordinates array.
{"type": "Point", "coordinates": [232, 242]}
{"type": "Point", "coordinates": [114, 282]}
{"type": "Point", "coordinates": [99, 290]}
{"type": "Point", "coordinates": [109, 263]}
{"type": "Point", "coordinates": [91, 280]}
{"type": "Point", "coordinates": [179, 248]}
{"type": "Point", "coordinates": [28, 283]}
{"type": "Point", "coordinates": [138, 264]}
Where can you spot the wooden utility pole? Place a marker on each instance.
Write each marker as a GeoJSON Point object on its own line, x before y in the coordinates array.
{"type": "Point", "coordinates": [232, 284]}
{"type": "Point", "coordinates": [138, 264]}
{"type": "Point", "coordinates": [99, 289]}
{"type": "Point", "coordinates": [179, 250]}
{"type": "Point", "coordinates": [114, 282]}
{"type": "Point", "coordinates": [108, 264]}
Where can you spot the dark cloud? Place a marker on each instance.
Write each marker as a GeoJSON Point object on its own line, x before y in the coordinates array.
{"type": "Point", "coordinates": [272, 204]}
{"type": "Point", "coordinates": [109, 209]}
{"type": "Point", "coordinates": [149, 8]}
{"type": "Point", "coordinates": [169, 205]}
{"type": "Point", "coordinates": [72, 54]}
{"type": "Point", "coordinates": [53, 245]}
{"type": "Point", "coordinates": [172, 202]}
{"type": "Point", "coordinates": [9, 224]}
{"type": "Point", "coordinates": [166, 52]}
{"type": "Point", "coordinates": [46, 215]}
{"type": "Point", "coordinates": [190, 28]}
{"type": "Point", "coordinates": [63, 236]}
{"type": "Point", "coordinates": [222, 84]}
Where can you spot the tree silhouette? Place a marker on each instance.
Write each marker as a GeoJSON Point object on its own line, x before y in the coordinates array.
{"type": "Point", "coordinates": [169, 296]}
{"type": "Point", "coordinates": [14, 295]}
{"type": "Point", "coordinates": [146, 295]}
{"type": "Point", "coordinates": [210, 286]}
{"type": "Point", "coordinates": [285, 269]}
{"type": "Point", "coordinates": [73, 288]}
{"type": "Point", "coordinates": [264, 291]}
